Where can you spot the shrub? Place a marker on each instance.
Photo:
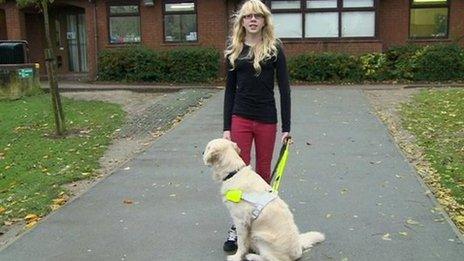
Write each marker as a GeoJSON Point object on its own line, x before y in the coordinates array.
{"type": "Point", "coordinates": [375, 66]}
{"type": "Point", "coordinates": [191, 64]}
{"type": "Point", "coordinates": [438, 63]}
{"type": "Point", "coordinates": [325, 67]}
{"type": "Point", "coordinates": [399, 61]}
{"type": "Point", "coordinates": [138, 63]}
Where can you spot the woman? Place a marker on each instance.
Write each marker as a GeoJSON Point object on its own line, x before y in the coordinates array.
{"type": "Point", "coordinates": [254, 56]}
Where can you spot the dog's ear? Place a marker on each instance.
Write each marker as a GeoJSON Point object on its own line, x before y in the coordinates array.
{"type": "Point", "coordinates": [237, 149]}
{"type": "Point", "coordinates": [210, 156]}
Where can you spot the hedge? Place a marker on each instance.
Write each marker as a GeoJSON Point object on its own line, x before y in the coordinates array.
{"type": "Point", "coordinates": [194, 65]}
{"type": "Point", "coordinates": [410, 63]}
{"type": "Point", "coordinates": [138, 63]}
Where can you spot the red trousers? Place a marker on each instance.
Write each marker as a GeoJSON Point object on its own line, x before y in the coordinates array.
{"type": "Point", "coordinates": [244, 132]}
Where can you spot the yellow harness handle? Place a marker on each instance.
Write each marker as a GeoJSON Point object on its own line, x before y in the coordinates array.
{"type": "Point", "coordinates": [281, 164]}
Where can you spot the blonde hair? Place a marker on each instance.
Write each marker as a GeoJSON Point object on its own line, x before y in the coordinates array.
{"type": "Point", "coordinates": [262, 51]}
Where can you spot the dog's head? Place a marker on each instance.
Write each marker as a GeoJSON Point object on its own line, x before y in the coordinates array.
{"type": "Point", "coordinates": [223, 156]}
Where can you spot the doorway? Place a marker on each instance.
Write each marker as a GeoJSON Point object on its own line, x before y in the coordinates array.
{"type": "Point", "coordinates": [77, 42]}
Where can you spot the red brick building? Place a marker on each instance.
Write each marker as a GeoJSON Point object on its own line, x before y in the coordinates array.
{"type": "Point", "coordinates": [81, 28]}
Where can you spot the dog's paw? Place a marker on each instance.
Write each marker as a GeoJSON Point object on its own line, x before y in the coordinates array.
{"type": "Point", "coordinates": [234, 258]}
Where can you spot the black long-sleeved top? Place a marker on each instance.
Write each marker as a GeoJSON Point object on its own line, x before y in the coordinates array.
{"type": "Point", "coordinates": [251, 96]}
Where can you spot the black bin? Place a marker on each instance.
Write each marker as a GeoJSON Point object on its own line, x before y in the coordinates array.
{"type": "Point", "coordinates": [13, 52]}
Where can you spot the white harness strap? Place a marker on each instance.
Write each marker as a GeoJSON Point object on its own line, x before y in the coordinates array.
{"type": "Point", "coordinates": [260, 200]}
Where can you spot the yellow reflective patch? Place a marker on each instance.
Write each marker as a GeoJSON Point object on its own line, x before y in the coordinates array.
{"type": "Point", "coordinates": [234, 195]}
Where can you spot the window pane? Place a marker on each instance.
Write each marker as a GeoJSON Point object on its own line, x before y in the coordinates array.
{"type": "Point", "coordinates": [124, 29]}
{"type": "Point", "coordinates": [358, 24]}
{"type": "Point", "coordinates": [189, 27]}
{"type": "Point", "coordinates": [428, 2]}
{"type": "Point", "coordinates": [358, 3]}
{"type": "Point", "coordinates": [286, 4]}
{"type": "Point", "coordinates": [321, 25]}
{"type": "Point", "coordinates": [288, 25]}
{"type": "Point", "coordinates": [180, 7]}
{"type": "Point", "coordinates": [429, 22]}
{"type": "Point", "coordinates": [124, 9]}
{"type": "Point", "coordinates": [321, 3]}
{"type": "Point", "coordinates": [180, 28]}
{"type": "Point", "coordinates": [172, 31]}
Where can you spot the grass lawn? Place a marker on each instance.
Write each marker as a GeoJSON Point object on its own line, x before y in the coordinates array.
{"type": "Point", "coordinates": [34, 164]}
{"type": "Point", "coordinates": [436, 118]}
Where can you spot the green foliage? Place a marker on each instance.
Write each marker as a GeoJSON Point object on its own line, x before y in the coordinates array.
{"type": "Point", "coordinates": [34, 165]}
{"type": "Point", "coordinates": [399, 59]}
{"type": "Point", "coordinates": [410, 62]}
{"type": "Point", "coordinates": [138, 63]}
{"type": "Point", "coordinates": [438, 63]}
{"type": "Point", "coordinates": [25, 3]}
{"type": "Point", "coordinates": [135, 63]}
{"type": "Point", "coordinates": [325, 67]}
{"type": "Point", "coordinates": [191, 64]}
{"type": "Point", "coordinates": [436, 118]}
{"type": "Point", "coordinates": [375, 66]}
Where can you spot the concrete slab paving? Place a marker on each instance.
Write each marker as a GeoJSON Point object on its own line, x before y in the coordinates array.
{"type": "Point", "coordinates": [345, 177]}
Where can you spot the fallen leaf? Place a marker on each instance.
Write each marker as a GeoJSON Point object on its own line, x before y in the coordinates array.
{"type": "Point", "coordinates": [2, 209]}
{"type": "Point", "coordinates": [55, 207]}
{"type": "Point", "coordinates": [412, 222]}
{"type": "Point", "coordinates": [31, 224]}
{"type": "Point", "coordinates": [59, 201]}
{"type": "Point", "coordinates": [386, 237]}
{"type": "Point", "coordinates": [31, 218]}
{"type": "Point", "coordinates": [459, 219]}
{"type": "Point", "coordinates": [128, 201]}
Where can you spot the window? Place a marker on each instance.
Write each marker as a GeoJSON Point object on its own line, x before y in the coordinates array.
{"type": "Point", "coordinates": [324, 18]}
{"type": "Point", "coordinates": [180, 21]}
{"type": "Point", "coordinates": [429, 19]}
{"type": "Point", "coordinates": [124, 23]}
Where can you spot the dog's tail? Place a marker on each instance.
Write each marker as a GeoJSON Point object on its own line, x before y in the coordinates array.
{"type": "Point", "coordinates": [308, 239]}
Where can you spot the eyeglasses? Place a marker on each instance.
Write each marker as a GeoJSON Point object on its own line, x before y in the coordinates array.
{"type": "Point", "coordinates": [256, 16]}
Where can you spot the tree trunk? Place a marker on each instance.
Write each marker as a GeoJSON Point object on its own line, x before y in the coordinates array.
{"type": "Point", "coordinates": [51, 73]}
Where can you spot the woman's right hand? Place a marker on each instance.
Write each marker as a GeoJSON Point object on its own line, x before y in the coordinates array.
{"type": "Point", "coordinates": [226, 135]}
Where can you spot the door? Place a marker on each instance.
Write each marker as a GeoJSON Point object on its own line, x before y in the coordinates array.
{"type": "Point", "coordinates": [77, 42]}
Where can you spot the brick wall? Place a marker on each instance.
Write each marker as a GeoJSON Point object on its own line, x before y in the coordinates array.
{"type": "Point", "coordinates": [457, 21]}
{"type": "Point", "coordinates": [394, 23]}
{"type": "Point", "coordinates": [35, 36]}
{"type": "Point", "coordinates": [92, 43]}
{"type": "Point", "coordinates": [213, 28]}
{"type": "Point", "coordinates": [347, 46]}
{"type": "Point", "coordinates": [211, 21]}
{"type": "Point", "coordinates": [16, 24]}
{"type": "Point", "coordinates": [2, 25]}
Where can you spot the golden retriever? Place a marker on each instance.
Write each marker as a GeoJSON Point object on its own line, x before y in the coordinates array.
{"type": "Point", "coordinates": [273, 235]}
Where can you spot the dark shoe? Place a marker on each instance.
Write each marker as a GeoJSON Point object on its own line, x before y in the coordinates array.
{"type": "Point", "coordinates": [231, 243]}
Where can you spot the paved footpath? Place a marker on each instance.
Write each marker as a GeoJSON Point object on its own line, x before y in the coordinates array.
{"type": "Point", "coordinates": [351, 183]}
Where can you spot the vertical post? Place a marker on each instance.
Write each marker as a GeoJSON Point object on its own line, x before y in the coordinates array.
{"type": "Point", "coordinates": [50, 62]}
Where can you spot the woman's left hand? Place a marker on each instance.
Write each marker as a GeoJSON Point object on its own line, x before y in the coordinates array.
{"type": "Point", "coordinates": [285, 135]}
